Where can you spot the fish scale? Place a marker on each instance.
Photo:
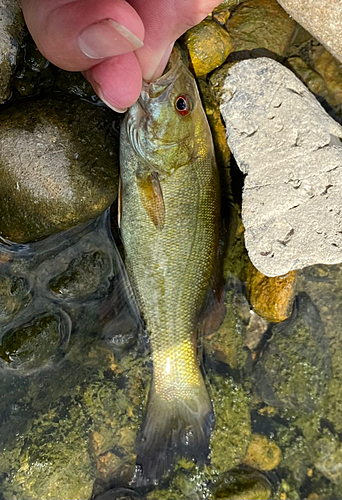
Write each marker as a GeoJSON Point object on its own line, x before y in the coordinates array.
{"type": "Point", "coordinates": [170, 258]}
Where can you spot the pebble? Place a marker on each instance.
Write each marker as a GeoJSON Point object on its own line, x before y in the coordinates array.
{"type": "Point", "coordinates": [262, 453]}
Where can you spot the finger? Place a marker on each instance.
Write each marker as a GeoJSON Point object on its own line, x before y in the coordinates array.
{"type": "Point", "coordinates": [76, 35]}
{"type": "Point", "coordinates": [165, 22]}
{"type": "Point", "coordinates": [117, 81]}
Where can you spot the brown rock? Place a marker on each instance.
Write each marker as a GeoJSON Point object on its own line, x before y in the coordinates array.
{"type": "Point", "coordinates": [256, 328]}
{"type": "Point", "coordinates": [248, 29]}
{"type": "Point", "coordinates": [262, 453]}
{"type": "Point", "coordinates": [11, 35]}
{"type": "Point", "coordinates": [107, 464]}
{"type": "Point", "coordinates": [317, 68]}
{"type": "Point", "coordinates": [208, 45]}
{"type": "Point", "coordinates": [270, 297]}
{"type": "Point", "coordinates": [321, 18]}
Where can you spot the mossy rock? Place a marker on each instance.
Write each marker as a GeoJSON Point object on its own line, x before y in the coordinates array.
{"type": "Point", "coordinates": [58, 166]}
{"type": "Point", "coordinates": [295, 368]}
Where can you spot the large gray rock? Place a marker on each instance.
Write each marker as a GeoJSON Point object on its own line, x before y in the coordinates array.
{"type": "Point", "coordinates": [11, 32]}
{"type": "Point", "coordinates": [321, 18]}
{"type": "Point", "coordinates": [290, 151]}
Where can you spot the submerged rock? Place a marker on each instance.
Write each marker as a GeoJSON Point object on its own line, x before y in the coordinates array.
{"type": "Point", "coordinates": [36, 343]}
{"type": "Point", "coordinates": [262, 453]}
{"type": "Point", "coordinates": [322, 19]}
{"type": "Point", "coordinates": [62, 171]}
{"type": "Point", "coordinates": [53, 456]}
{"type": "Point", "coordinates": [238, 484]}
{"type": "Point", "coordinates": [327, 454]}
{"type": "Point", "coordinates": [226, 344]}
{"type": "Point", "coordinates": [271, 298]}
{"type": "Point", "coordinates": [14, 296]}
{"type": "Point", "coordinates": [295, 368]}
{"type": "Point", "coordinates": [84, 275]}
{"type": "Point", "coordinates": [290, 151]}
{"type": "Point", "coordinates": [232, 432]}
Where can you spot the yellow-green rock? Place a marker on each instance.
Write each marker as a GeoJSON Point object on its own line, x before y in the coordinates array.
{"type": "Point", "coordinates": [260, 24]}
{"type": "Point", "coordinates": [58, 166]}
{"type": "Point", "coordinates": [271, 298]}
{"type": "Point", "coordinates": [209, 46]}
{"type": "Point", "coordinates": [262, 453]}
{"type": "Point", "coordinates": [244, 484]}
{"type": "Point", "coordinates": [212, 110]}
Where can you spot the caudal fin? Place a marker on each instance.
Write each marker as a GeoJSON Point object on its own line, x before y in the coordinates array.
{"type": "Point", "coordinates": [173, 428]}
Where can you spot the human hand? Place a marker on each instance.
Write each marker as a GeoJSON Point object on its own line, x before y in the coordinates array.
{"type": "Point", "coordinates": [115, 43]}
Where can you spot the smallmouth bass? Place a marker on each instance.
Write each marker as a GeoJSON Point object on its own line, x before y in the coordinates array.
{"type": "Point", "coordinates": [169, 226]}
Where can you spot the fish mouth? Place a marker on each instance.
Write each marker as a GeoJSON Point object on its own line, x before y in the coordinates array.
{"type": "Point", "coordinates": [137, 118]}
{"type": "Point", "coordinates": [155, 89]}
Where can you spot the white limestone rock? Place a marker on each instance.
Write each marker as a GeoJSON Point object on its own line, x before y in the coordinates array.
{"type": "Point", "coordinates": [290, 151]}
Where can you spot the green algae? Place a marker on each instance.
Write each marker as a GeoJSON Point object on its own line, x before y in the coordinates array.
{"type": "Point", "coordinates": [226, 344]}
{"type": "Point", "coordinates": [295, 368]}
{"type": "Point", "coordinates": [232, 432]}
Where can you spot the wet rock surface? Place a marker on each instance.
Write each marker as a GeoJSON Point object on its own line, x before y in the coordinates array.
{"type": "Point", "coordinates": [11, 34]}
{"type": "Point", "coordinates": [295, 367]}
{"type": "Point", "coordinates": [208, 45]}
{"type": "Point", "coordinates": [271, 298]}
{"type": "Point", "coordinates": [290, 151]}
{"type": "Point", "coordinates": [262, 453]}
{"type": "Point", "coordinates": [71, 411]}
{"type": "Point", "coordinates": [249, 31]}
{"type": "Point", "coordinates": [62, 170]}
{"type": "Point", "coordinates": [248, 484]}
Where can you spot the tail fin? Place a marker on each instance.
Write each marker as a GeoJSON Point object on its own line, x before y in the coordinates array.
{"type": "Point", "coordinates": [173, 428]}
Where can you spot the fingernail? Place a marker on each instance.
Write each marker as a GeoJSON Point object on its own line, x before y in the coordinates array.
{"type": "Point", "coordinates": [161, 65]}
{"type": "Point", "coordinates": [99, 92]}
{"type": "Point", "coordinates": [107, 38]}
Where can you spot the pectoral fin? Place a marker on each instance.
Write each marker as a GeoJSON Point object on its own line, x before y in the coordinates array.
{"type": "Point", "coordinates": [152, 199]}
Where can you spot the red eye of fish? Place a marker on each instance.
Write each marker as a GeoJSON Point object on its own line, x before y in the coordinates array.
{"type": "Point", "coordinates": [182, 105]}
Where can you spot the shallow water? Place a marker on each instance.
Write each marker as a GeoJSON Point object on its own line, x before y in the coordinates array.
{"type": "Point", "coordinates": [75, 369]}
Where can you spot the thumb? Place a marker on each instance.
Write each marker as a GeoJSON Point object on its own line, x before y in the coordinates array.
{"type": "Point", "coordinates": [78, 34]}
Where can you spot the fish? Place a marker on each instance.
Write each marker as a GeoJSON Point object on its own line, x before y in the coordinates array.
{"type": "Point", "coordinates": [169, 206]}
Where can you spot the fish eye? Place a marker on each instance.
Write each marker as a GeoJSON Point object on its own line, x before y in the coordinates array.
{"type": "Point", "coordinates": [182, 105]}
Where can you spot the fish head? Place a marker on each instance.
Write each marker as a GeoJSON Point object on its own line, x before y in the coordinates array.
{"type": "Point", "coordinates": [164, 123]}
